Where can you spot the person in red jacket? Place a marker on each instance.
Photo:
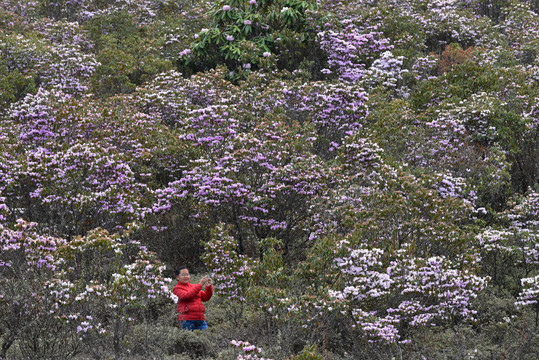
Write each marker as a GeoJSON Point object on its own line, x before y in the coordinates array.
{"type": "Point", "coordinates": [190, 298]}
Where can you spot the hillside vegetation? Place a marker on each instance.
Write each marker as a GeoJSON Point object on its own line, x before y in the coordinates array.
{"type": "Point", "coordinates": [360, 178]}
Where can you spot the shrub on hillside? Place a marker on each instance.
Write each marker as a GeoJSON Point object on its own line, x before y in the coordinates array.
{"type": "Point", "coordinates": [250, 35]}
{"type": "Point", "coordinates": [78, 296]}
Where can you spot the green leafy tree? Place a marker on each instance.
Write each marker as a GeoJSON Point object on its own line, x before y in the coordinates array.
{"type": "Point", "coordinates": [253, 34]}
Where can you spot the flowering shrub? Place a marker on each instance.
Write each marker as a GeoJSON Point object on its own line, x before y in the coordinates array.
{"type": "Point", "coordinates": [51, 120]}
{"type": "Point", "coordinates": [247, 351]}
{"type": "Point", "coordinates": [335, 110]}
{"type": "Point", "coordinates": [62, 66]}
{"type": "Point", "coordinates": [350, 50]}
{"type": "Point", "coordinates": [65, 32]}
{"type": "Point", "coordinates": [90, 289]}
{"type": "Point", "coordinates": [83, 201]}
{"type": "Point", "coordinates": [424, 67]}
{"type": "Point", "coordinates": [516, 247]}
{"type": "Point", "coordinates": [37, 120]}
{"type": "Point", "coordinates": [122, 285]}
{"type": "Point", "coordinates": [173, 97]}
{"type": "Point", "coordinates": [81, 10]}
{"type": "Point", "coordinates": [520, 24]}
{"type": "Point", "coordinates": [420, 281]}
{"type": "Point", "coordinates": [524, 213]}
{"type": "Point", "coordinates": [386, 71]}
{"type": "Point", "coordinates": [252, 180]}
{"type": "Point", "coordinates": [529, 293]}
{"type": "Point", "coordinates": [230, 270]}
{"type": "Point", "coordinates": [27, 261]}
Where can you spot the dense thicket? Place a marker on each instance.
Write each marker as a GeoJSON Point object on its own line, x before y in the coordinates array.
{"type": "Point", "coordinates": [361, 178]}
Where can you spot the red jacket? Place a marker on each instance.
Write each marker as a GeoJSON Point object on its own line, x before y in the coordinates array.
{"type": "Point", "coordinates": [190, 297]}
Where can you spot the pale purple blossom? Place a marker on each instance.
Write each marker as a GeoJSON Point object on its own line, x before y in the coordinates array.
{"type": "Point", "coordinates": [185, 52]}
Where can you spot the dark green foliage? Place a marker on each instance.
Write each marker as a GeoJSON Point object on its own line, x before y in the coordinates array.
{"type": "Point", "coordinates": [248, 37]}
{"type": "Point", "coordinates": [14, 86]}
{"type": "Point", "coordinates": [197, 345]}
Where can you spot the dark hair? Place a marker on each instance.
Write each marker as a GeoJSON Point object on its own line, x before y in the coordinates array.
{"type": "Point", "coordinates": [179, 269]}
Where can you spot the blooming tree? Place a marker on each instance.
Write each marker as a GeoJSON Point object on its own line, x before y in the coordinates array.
{"type": "Point", "coordinates": [87, 291]}
{"type": "Point", "coordinates": [430, 290]}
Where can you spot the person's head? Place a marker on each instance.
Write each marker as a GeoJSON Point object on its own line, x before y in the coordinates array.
{"type": "Point", "coordinates": [182, 274]}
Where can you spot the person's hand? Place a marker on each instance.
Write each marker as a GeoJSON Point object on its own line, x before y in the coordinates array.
{"type": "Point", "coordinates": [204, 280]}
{"type": "Point", "coordinates": [209, 283]}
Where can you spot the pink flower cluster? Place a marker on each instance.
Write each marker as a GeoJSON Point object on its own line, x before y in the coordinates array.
{"type": "Point", "coordinates": [247, 351]}
{"type": "Point", "coordinates": [350, 50]}
{"type": "Point", "coordinates": [430, 291]}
